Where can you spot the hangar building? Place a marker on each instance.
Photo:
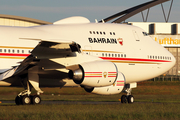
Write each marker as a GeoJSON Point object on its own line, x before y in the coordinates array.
{"type": "Point", "coordinates": [10, 20]}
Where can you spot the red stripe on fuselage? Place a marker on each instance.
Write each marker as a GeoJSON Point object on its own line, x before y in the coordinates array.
{"type": "Point", "coordinates": [133, 59]}
{"type": "Point", "coordinates": [14, 54]}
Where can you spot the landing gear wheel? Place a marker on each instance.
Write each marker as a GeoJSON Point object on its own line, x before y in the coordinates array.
{"type": "Point", "coordinates": [124, 99]}
{"type": "Point", "coordinates": [130, 99]}
{"type": "Point", "coordinates": [18, 100]}
{"type": "Point", "coordinates": [36, 99]}
{"type": "Point", "coordinates": [26, 100]}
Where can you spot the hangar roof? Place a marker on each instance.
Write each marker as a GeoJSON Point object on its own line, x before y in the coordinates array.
{"type": "Point", "coordinates": [24, 19]}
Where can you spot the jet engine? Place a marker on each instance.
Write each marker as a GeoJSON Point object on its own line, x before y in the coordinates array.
{"type": "Point", "coordinates": [95, 74]}
{"type": "Point", "coordinates": [116, 88]}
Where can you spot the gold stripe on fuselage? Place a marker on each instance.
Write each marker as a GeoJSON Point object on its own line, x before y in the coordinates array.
{"type": "Point", "coordinates": [12, 57]}
{"type": "Point", "coordinates": [100, 51]}
{"type": "Point", "coordinates": [134, 62]}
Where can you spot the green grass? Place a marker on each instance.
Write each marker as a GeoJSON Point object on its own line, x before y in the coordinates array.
{"type": "Point", "coordinates": [153, 100]}
{"type": "Point", "coordinates": [138, 111]}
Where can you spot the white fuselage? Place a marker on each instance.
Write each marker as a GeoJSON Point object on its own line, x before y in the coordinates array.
{"type": "Point", "coordinates": [135, 54]}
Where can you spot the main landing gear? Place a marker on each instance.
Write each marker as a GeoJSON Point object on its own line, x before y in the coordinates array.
{"type": "Point", "coordinates": [25, 97]}
{"type": "Point", "coordinates": [127, 89]}
{"type": "Point", "coordinates": [127, 98]}
{"type": "Point", "coordinates": [27, 100]}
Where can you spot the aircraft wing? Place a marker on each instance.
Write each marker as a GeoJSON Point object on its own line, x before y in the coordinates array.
{"type": "Point", "coordinates": [51, 54]}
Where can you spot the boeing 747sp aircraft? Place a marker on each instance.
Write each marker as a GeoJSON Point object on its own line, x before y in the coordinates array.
{"type": "Point", "coordinates": [103, 58]}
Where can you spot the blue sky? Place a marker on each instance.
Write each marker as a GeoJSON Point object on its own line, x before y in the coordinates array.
{"type": "Point", "coordinates": [54, 10]}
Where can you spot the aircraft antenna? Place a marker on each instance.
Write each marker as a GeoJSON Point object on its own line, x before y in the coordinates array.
{"type": "Point", "coordinates": [103, 21]}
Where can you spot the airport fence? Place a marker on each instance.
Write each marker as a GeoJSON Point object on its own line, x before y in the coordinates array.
{"type": "Point", "coordinates": [166, 78]}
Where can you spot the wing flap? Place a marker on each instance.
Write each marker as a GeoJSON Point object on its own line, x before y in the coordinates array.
{"type": "Point", "coordinates": [46, 50]}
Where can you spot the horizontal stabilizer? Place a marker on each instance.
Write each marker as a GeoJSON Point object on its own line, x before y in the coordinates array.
{"type": "Point", "coordinates": [7, 74]}
{"type": "Point", "coordinates": [73, 20]}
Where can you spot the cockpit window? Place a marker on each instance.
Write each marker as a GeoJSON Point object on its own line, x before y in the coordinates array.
{"type": "Point", "coordinates": [145, 33]}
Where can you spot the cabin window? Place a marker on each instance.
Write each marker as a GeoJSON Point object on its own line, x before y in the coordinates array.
{"type": "Point", "coordinates": [90, 32]}
{"type": "Point", "coordinates": [145, 33]}
{"type": "Point", "coordinates": [5, 50]}
{"type": "Point", "coordinates": [0, 50]}
{"type": "Point", "coordinates": [104, 33]}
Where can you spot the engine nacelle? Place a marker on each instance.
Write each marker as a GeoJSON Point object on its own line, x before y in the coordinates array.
{"type": "Point", "coordinates": [116, 88]}
{"type": "Point", "coordinates": [95, 74]}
